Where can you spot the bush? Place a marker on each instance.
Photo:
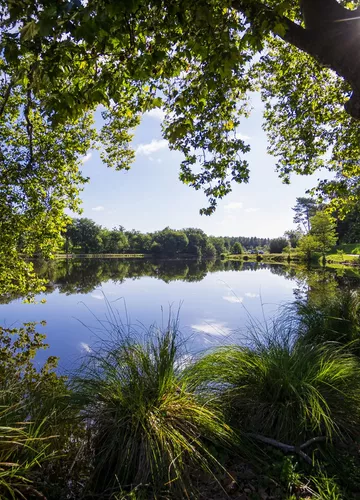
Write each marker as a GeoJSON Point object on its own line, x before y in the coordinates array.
{"type": "Point", "coordinates": [286, 390]}
{"type": "Point", "coordinates": [237, 249]}
{"type": "Point", "coordinates": [209, 252]}
{"type": "Point", "coordinates": [307, 246]}
{"type": "Point", "coordinates": [35, 420]}
{"type": "Point", "coordinates": [146, 426]}
{"type": "Point", "coordinates": [278, 244]}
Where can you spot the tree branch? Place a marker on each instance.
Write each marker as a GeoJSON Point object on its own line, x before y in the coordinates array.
{"type": "Point", "coordinates": [6, 97]}
{"type": "Point", "coordinates": [29, 127]}
{"type": "Point", "coordinates": [329, 38]}
{"type": "Point", "coordinates": [312, 441]}
{"type": "Point", "coordinates": [287, 447]}
{"type": "Point", "coordinates": [295, 34]}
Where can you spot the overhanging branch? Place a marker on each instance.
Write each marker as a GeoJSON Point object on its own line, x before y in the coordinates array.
{"type": "Point", "coordinates": [6, 97]}
{"type": "Point", "coordinates": [331, 36]}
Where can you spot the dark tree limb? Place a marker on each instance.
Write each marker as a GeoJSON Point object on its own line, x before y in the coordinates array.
{"type": "Point", "coordinates": [6, 98]}
{"type": "Point", "coordinates": [29, 127]}
{"type": "Point", "coordinates": [331, 36]}
{"type": "Point", "coordinates": [287, 447]}
{"type": "Point", "coordinates": [312, 441]}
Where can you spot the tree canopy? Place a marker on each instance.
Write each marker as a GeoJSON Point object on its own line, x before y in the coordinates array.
{"type": "Point", "coordinates": [304, 209]}
{"type": "Point", "coordinates": [323, 228]}
{"type": "Point", "coordinates": [277, 245]}
{"type": "Point", "coordinates": [200, 61]}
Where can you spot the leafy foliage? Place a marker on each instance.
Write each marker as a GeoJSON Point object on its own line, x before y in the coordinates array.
{"type": "Point", "coordinates": [305, 209]}
{"type": "Point", "coordinates": [36, 422]}
{"type": "Point", "coordinates": [322, 236]}
{"type": "Point", "coordinates": [308, 244]}
{"type": "Point", "coordinates": [277, 245]}
{"type": "Point", "coordinates": [39, 175]}
{"type": "Point", "coordinates": [323, 229]}
{"type": "Point", "coordinates": [293, 236]}
{"type": "Point", "coordinates": [199, 61]}
{"type": "Point", "coordinates": [85, 236]}
{"type": "Point", "coordinates": [237, 249]}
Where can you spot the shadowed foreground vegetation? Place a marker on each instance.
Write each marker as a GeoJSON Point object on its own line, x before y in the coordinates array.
{"type": "Point", "coordinates": [277, 418]}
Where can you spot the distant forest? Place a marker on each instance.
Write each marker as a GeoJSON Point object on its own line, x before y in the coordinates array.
{"type": "Point", "coordinates": [85, 236]}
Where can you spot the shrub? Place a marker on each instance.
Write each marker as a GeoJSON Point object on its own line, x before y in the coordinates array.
{"type": "Point", "coordinates": [35, 421]}
{"type": "Point", "coordinates": [146, 426]}
{"type": "Point", "coordinates": [209, 252]}
{"type": "Point", "coordinates": [307, 246]}
{"type": "Point", "coordinates": [237, 249]}
{"type": "Point", "coordinates": [278, 244]}
{"type": "Point", "coordinates": [286, 390]}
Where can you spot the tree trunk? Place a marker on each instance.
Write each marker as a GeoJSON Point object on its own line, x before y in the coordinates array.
{"type": "Point", "coordinates": [335, 32]}
{"type": "Point", "coordinates": [331, 36]}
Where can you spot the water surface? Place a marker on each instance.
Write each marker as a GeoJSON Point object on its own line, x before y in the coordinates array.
{"type": "Point", "coordinates": [216, 299]}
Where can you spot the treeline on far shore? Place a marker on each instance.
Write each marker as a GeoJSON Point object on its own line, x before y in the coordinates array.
{"type": "Point", "coordinates": [84, 236]}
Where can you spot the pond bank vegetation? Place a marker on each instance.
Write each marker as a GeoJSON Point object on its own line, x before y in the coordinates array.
{"type": "Point", "coordinates": [276, 418]}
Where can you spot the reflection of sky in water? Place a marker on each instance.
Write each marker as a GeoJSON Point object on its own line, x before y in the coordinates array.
{"type": "Point", "coordinates": [211, 309]}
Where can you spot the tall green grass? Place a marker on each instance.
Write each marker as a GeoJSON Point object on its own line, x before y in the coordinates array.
{"type": "Point", "coordinates": [338, 320]}
{"type": "Point", "coordinates": [284, 389]}
{"type": "Point", "coordinates": [23, 448]}
{"type": "Point", "coordinates": [147, 428]}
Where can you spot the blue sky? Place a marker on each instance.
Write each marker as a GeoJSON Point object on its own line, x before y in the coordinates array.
{"type": "Point", "coordinates": [149, 196]}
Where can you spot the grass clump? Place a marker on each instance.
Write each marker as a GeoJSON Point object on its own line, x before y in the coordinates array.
{"type": "Point", "coordinates": [337, 320]}
{"type": "Point", "coordinates": [286, 390]}
{"type": "Point", "coordinates": [326, 488]}
{"type": "Point", "coordinates": [147, 428]}
{"type": "Point", "coordinates": [23, 447]}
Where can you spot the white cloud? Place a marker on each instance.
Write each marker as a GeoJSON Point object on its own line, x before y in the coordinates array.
{"type": "Point", "coordinates": [99, 208]}
{"type": "Point", "coordinates": [158, 160]}
{"type": "Point", "coordinates": [235, 205]}
{"type": "Point", "coordinates": [252, 295]}
{"type": "Point", "coordinates": [251, 210]}
{"type": "Point", "coordinates": [243, 137]}
{"type": "Point", "coordinates": [233, 299]}
{"type": "Point", "coordinates": [86, 158]}
{"type": "Point", "coordinates": [157, 113]}
{"type": "Point", "coordinates": [85, 347]}
{"type": "Point", "coordinates": [152, 147]}
{"type": "Point", "coordinates": [212, 328]}
{"type": "Point", "coordinates": [97, 296]}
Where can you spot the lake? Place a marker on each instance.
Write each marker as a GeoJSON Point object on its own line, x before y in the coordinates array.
{"type": "Point", "coordinates": [214, 299]}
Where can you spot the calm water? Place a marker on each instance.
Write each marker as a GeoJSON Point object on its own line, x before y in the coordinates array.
{"type": "Point", "coordinates": [215, 298]}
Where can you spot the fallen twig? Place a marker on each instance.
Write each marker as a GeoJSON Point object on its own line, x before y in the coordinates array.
{"type": "Point", "coordinates": [287, 447]}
